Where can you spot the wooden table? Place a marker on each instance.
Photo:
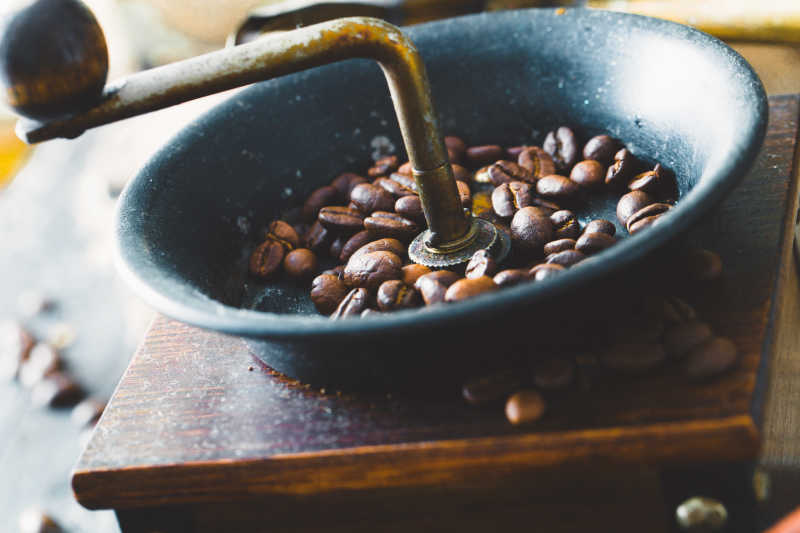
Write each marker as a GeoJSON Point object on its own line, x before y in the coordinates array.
{"type": "Point", "coordinates": [199, 436]}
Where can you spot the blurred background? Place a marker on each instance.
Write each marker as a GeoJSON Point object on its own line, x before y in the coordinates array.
{"type": "Point", "coordinates": [56, 205]}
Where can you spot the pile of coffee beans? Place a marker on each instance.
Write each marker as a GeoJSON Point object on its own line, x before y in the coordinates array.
{"type": "Point", "coordinates": [354, 233]}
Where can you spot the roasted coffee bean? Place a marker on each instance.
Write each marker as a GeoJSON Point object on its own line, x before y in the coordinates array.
{"type": "Point", "coordinates": [412, 272]}
{"type": "Point", "coordinates": [565, 225]}
{"type": "Point", "coordinates": [368, 198]}
{"type": "Point", "coordinates": [337, 271]}
{"type": "Point", "coordinates": [343, 219]}
{"type": "Point", "coordinates": [394, 295]}
{"type": "Point", "coordinates": [42, 361]}
{"type": "Point", "coordinates": [383, 166]}
{"type": "Point", "coordinates": [405, 168]}
{"type": "Point", "coordinates": [711, 358]}
{"type": "Point", "coordinates": [600, 226]}
{"type": "Point", "coordinates": [507, 171]}
{"type": "Point", "coordinates": [588, 173]}
{"type": "Point", "coordinates": [344, 184]}
{"type": "Point", "coordinates": [553, 247]}
{"type": "Point", "coordinates": [283, 233]}
{"type": "Point", "coordinates": [87, 413]}
{"type": "Point", "coordinates": [482, 175]}
{"type": "Point", "coordinates": [481, 264]}
{"type": "Point", "coordinates": [411, 208]}
{"type": "Point", "coordinates": [354, 243]}
{"type": "Point", "coordinates": [621, 170]}
{"type": "Point", "coordinates": [657, 183]}
{"type": "Point", "coordinates": [433, 286]}
{"type": "Point", "coordinates": [464, 289]}
{"type": "Point", "coordinates": [592, 243]}
{"type": "Point", "coordinates": [680, 339]}
{"type": "Point", "coordinates": [510, 197]}
{"type": "Point", "coordinates": [524, 407]}
{"type": "Point", "coordinates": [461, 174]}
{"type": "Point", "coordinates": [464, 194]}
{"type": "Point", "coordinates": [15, 347]}
{"type": "Point", "coordinates": [546, 205]}
{"type": "Point", "coordinates": [678, 311]}
{"type": "Point", "coordinates": [353, 304]}
{"type": "Point", "coordinates": [531, 228]}
{"type": "Point", "coordinates": [327, 291]}
{"type": "Point", "coordinates": [513, 152]}
{"type": "Point", "coordinates": [537, 162]}
{"type": "Point", "coordinates": [567, 258]}
{"type": "Point", "coordinates": [493, 388]}
{"type": "Point", "coordinates": [371, 269]}
{"type": "Point", "coordinates": [266, 259]}
{"type": "Point", "coordinates": [511, 277]}
{"type": "Point", "coordinates": [477, 156]}
{"type": "Point", "coordinates": [382, 245]}
{"type": "Point", "coordinates": [56, 390]}
{"type": "Point", "coordinates": [631, 203]}
{"type": "Point", "coordinates": [562, 145]}
{"type": "Point", "coordinates": [393, 188]}
{"type": "Point", "coordinates": [600, 148]}
{"type": "Point", "coordinates": [545, 271]}
{"type": "Point", "coordinates": [34, 520]}
{"type": "Point", "coordinates": [633, 357]}
{"type": "Point", "coordinates": [406, 180]}
{"type": "Point", "coordinates": [703, 265]}
{"type": "Point", "coordinates": [553, 373]}
{"type": "Point", "coordinates": [337, 245]}
{"type": "Point", "coordinates": [301, 263]}
{"type": "Point", "coordinates": [645, 216]}
{"type": "Point", "coordinates": [316, 238]}
{"type": "Point", "coordinates": [558, 188]}
{"type": "Point", "coordinates": [387, 224]}
{"type": "Point", "coordinates": [317, 200]}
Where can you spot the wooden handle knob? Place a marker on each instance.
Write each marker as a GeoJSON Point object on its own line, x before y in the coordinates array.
{"type": "Point", "coordinates": [53, 59]}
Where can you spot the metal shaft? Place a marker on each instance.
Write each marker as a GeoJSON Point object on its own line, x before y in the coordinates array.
{"type": "Point", "coordinates": [283, 54]}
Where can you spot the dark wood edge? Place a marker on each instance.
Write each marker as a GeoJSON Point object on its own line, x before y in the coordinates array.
{"type": "Point", "coordinates": [441, 464]}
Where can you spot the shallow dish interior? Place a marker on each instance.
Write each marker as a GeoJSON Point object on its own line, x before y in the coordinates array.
{"type": "Point", "coordinates": [672, 94]}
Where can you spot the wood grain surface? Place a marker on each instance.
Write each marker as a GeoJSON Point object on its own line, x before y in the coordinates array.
{"type": "Point", "coordinates": [196, 418]}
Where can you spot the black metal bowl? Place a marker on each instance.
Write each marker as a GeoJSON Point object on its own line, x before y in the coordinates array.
{"type": "Point", "coordinates": [186, 224]}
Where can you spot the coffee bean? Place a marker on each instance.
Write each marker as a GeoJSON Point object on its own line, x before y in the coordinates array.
{"type": "Point", "coordinates": [553, 247]}
{"type": "Point", "coordinates": [553, 373]}
{"type": "Point", "coordinates": [15, 347]}
{"type": "Point", "coordinates": [382, 245]}
{"type": "Point", "coordinates": [657, 183]}
{"type": "Point", "coordinates": [477, 156]}
{"type": "Point", "coordinates": [600, 148]}
{"type": "Point", "coordinates": [545, 271]}
{"type": "Point", "coordinates": [56, 390]}
{"type": "Point", "coordinates": [642, 224]}
{"type": "Point", "coordinates": [645, 216]}
{"type": "Point", "coordinates": [507, 171]}
{"type": "Point", "coordinates": [710, 359]}
{"type": "Point", "coordinates": [600, 226]}
{"type": "Point", "coordinates": [510, 197]}
{"type": "Point", "coordinates": [531, 228]}
{"type": "Point", "coordinates": [371, 269]}
{"type": "Point", "coordinates": [353, 304]}
{"type": "Point", "coordinates": [633, 357]}
{"type": "Point", "coordinates": [317, 237]}
{"type": "Point", "coordinates": [567, 258]}
{"type": "Point", "coordinates": [537, 162]}
{"type": "Point", "coordinates": [433, 286]}
{"type": "Point", "coordinates": [549, 207]}
{"type": "Point", "coordinates": [300, 263]}
{"type": "Point", "coordinates": [588, 173]}
{"type": "Point", "coordinates": [703, 265]}
{"type": "Point", "coordinates": [482, 175]}
{"type": "Point", "coordinates": [87, 413]}
{"type": "Point", "coordinates": [405, 168]}
{"type": "Point", "coordinates": [283, 233]}
{"type": "Point", "coordinates": [464, 194]}
{"type": "Point", "coordinates": [266, 259]}
{"type": "Point", "coordinates": [592, 243]}
{"type": "Point", "coordinates": [318, 199]}
{"type": "Point", "coordinates": [631, 203]}
{"type": "Point", "coordinates": [511, 277]}
{"type": "Point", "coordinates": [680, 339]}
{"type": "Point", "coordinates": [411, 208]}
{"type": "Point", "coordinates": [456, 148]}
{"type": "Point", "coordinates": [327, 291]}
{"type": "Point", "coordinates": [562, 145]}
{"type": "Point", "coordinates": [354, 243]}
{"type": "Point", "coordinates": [678, 311]}
{"type": "Point", "coordinates": [460, 173]}
{"type": "Point", "coordinates": [344, 184]}
{"type": "Point", "coordinates": [387, 224]}
{"type": "Point", "coordinates": [383, 166]}
{"type": "Point", "coordinates": [337, 245]}
{"type": "Point", "coordinates": [621, 170]}
{"type": "Point", "coordinates": [524, 407]}
{"type": "Point", "coordinates": [565, 225]}
{"type": "Point", "coordinates": [481, 264]}
{"type": "Point", "coordinates": [513, 152]}
{"type": "Point", "coordinates": [34, 520]}
{"type": "Point", "coordinates": [42, 361]}
{"type": "Point", "coordinates": [490, 389]}
{"type": "Point", "coordinates": [412, 272]}
{"type": "Point", "coordinates": [343, 219]}
{"type": "Point", "coordinates": [393, 188]}
{"type": "Point", "coordinates": [558, 188]}
{"type": "Point", "coordinates": [368, 198]}
{"type": "Point", "coordinates": [406, 180]}
{"type": "Point", "coordinates": [464, 289]}
{"type": "Point", "coordinates": [394, 295]}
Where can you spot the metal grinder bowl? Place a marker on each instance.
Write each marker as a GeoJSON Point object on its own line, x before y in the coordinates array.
{"type": "Point", "coordinates": [186, 223]}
